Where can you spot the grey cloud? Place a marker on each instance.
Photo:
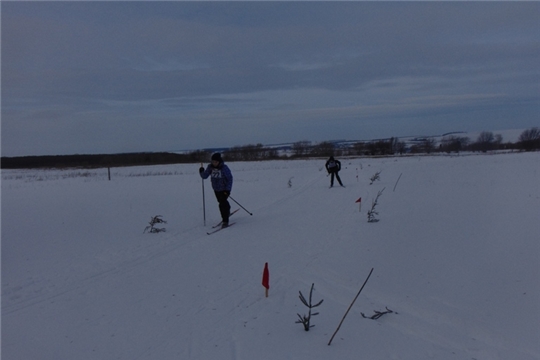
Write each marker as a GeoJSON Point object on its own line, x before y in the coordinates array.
{"type": "Point", "coordinates": [267, 61]}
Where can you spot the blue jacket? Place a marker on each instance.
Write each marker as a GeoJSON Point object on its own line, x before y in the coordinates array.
{"type": "Point", "coordinates": [221, 177]}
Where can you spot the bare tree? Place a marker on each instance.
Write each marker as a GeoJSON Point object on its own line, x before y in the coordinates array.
{"type": "Point", "coordinates": [428, 145]}
{"type": "Point", "coordinates": [401, 147]}
{"type": "Point", "coordinates": [301, 148]}
{"type": "Point", "coordinates": [325, 148]}
{"type": "Point", "coordinates": [358, 148]}
{"type": "Point", "coordinates": [485, 137]}
{"type": "Point", "coordinates": [530, 139]}
{"type": "Point", "coordinates": [454, 144]}
{"type": "Point", "coordinates": [485, 141]}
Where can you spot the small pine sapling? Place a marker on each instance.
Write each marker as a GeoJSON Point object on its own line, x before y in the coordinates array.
{"type": "Point", "coordinates": [305, 320]}
{"type": "Point", "coordinates": [371, 213]}
{"type": "Point", "coordinates": [375, 177]}
{"type": "Point", "coordinates": [153, 221]}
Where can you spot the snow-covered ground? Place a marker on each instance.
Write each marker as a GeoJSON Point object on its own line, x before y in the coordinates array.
{"type": "Point", "coordinates": [456, 256]}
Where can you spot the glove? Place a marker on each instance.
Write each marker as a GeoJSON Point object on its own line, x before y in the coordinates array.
{"type": "Point", "coordinates": [227, 193]}
{"type": "Point", "coordinates": [201, 169]}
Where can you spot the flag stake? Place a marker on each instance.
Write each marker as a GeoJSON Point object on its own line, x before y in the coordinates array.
{"type": "Point", "coordinates": [359, 201]}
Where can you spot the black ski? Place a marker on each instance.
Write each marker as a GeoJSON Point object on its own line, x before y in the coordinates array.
{"type": "Point", "coordinates": [218, 229]}
{"type": "Point", "coordinates": [221, 222]}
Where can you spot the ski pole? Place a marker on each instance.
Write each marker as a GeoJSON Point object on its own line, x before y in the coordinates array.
{"type": "Point", "coordinates": [203, 202]}
{"type": "Point", "coordinates": [230, 197]}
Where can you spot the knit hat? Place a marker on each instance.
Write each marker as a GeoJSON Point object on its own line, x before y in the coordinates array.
{"type": "Point", "coordinates": [217, 157]}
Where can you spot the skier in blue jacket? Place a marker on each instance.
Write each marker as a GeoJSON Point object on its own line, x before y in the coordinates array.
{"type": "Point", "coordinates": [222, 180]}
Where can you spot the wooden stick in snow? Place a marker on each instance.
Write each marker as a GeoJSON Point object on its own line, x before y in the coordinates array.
{"type": "Point", "coordinates": [397, 182]}
{"type": "Point", "coordinates": [341, 322]}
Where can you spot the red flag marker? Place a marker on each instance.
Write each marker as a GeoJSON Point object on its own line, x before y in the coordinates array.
{"type": "Point", "coordinates": [266, 278]}
{"type": "Point", "coordinates": [360, 206]}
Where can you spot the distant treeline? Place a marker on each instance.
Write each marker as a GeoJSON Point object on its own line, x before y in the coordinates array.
{"type": "Point", "coordinates": [529, 140]}
{"type": "Point", "coordinates": [100, 161]}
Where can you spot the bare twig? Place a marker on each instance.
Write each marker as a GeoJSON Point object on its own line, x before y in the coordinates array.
{"type": "Point", "coordinates": [153, 221]}
{"type": "Point", "coordinates": [378, 314]}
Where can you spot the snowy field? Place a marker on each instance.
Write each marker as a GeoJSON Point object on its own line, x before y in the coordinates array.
{"type": "Point", "coordinates": [456, 256]}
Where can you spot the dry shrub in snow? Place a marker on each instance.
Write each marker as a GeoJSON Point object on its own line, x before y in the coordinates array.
{"type": "Point", "coordinates": [153, 221]}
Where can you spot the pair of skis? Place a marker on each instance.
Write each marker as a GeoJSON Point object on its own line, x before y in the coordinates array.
{"type": "Point", "coordinates": [219, 227]}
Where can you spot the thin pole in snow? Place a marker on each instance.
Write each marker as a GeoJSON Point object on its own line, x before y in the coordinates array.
{"type": "Point", "coordinates": [203, 202]}
{"type": "Point", "coordinates": [397, 182]}
{"type": "Point", "coordinates": [341, 322]}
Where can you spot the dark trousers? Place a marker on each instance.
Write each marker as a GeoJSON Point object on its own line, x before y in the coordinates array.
{"type": "Point", "coordinates": [224, 206]}
{"type": "Point", "coordinates": [332, 174]}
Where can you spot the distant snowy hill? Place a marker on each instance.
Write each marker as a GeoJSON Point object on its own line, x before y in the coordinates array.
{"type": "Point", "coordinates": [507, 136]}
{"type": "Point", "coordinates": [511, 135]}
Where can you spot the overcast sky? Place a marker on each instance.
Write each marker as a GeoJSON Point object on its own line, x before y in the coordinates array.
{"type": "Point", "coordinates": [110, 77]}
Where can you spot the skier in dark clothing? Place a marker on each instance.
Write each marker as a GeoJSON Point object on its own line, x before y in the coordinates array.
{"type": "Point", "coordinates": [222, 180]}
{"type": "Point", "coordinates": [333, 166]}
